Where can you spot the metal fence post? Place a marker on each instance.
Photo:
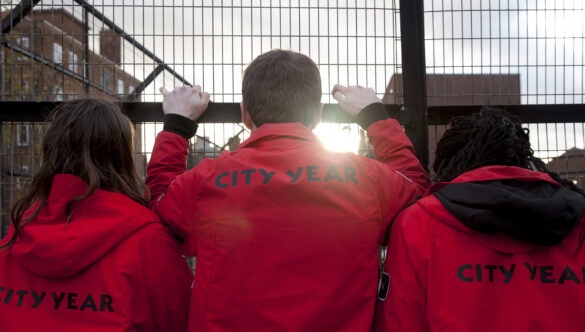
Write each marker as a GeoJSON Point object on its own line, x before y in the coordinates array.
{"type": "Point", "coordinates": [414, 76]}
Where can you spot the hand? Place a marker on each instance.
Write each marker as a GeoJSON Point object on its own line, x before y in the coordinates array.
{"type": "Point", "coordinates": [353, 99]}
{"type": "Point", "coordinates": [186, 101]}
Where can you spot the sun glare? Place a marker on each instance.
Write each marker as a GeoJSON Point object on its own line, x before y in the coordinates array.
{"type": "Point", "coordinates": [339, 137]}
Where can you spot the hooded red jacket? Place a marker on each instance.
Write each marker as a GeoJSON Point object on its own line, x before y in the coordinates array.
{"type": "Point", "coordinates": [510, 261]}
{"type": "Point", "coordinates": [285, 232]}
{"type": "Point", "coordinates": [113, 267]}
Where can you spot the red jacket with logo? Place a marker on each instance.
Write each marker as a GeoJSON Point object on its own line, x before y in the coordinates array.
{"type": "Point", "coordinates": [113, 267]}
{"type": "Point", "coordinates": [497, 249]}
{"type": "Point", "coordinates": [285, 232]}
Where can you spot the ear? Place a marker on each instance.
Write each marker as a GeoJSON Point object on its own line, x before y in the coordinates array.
{"type": "Point", "coordinates": [246, 117]}
{"type": "Point", "coordinates": [317, 118]}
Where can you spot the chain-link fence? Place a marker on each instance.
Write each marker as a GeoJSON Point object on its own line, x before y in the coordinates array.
{"type": "Point", "coordinates": [527, 56]}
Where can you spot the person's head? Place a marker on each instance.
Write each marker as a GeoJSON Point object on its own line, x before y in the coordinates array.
{"type": "Point", "coordinates": [279, 87]}
{"type": "Point", "coordinates": [490, 137]}
{"type": "Point", "coordinates": [89, 138]}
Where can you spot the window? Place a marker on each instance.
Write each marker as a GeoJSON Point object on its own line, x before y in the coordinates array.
{"type": "Point", "coordinates": [24, 90]}
{"type": "Point", "coordinates": [72, 61]}
{"type": "Point", "coordinates": [120, 87]}
{"type": "Point", "coordinates": [130, 89]}
{"type": "Point", "coordinates": [106, 80]}
{"type": "Point", "coordinates": [57, 53]}
{"type": "Point", "coordinates": [58, 92]}
{"type": "Point", "coordinates": [22, 135]}
{"type": "Point", "coordinates": [24, 42]}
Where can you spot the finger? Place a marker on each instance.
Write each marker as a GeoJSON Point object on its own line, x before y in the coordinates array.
{"type": "Point", "coordinates": [340, 97]}
{"type": "Point", "coordinates": [339, 88]}
{"type": "Point", "coordinates": [205, 97]}
{"type": "Point", "coordinates": [197, 88]}
{"type": "Point", "coordinates": [163, 90]}
{"type": "Point", "coordinates": [372, 90]}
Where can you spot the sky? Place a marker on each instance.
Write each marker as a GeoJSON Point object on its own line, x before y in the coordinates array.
{"type": "Point", "coordinates": [209, 42]}
{"type": "Point", "coordinates": [358, 42]}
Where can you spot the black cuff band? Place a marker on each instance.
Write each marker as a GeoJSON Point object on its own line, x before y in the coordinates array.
{"type": "Point", "coordinates": [372, 113]}
{"type": "Point", "coordinates": [180, 125]}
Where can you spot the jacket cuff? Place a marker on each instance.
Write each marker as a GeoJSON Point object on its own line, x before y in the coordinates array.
{"type": "Point", "coordinates": [372, 113]}
{"type": "Point", "coordinates": [180, 125]}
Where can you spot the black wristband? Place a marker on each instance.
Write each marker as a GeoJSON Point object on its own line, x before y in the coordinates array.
{"type": "Point", "coordinates": [180, 125]}
{"type": "Point", "coordinates": [372, 113]}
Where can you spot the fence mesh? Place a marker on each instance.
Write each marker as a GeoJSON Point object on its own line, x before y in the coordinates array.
{"type": "Point", "coordinates": [493, 52]}
{"type": "Point", "coordinates": [479, 52]}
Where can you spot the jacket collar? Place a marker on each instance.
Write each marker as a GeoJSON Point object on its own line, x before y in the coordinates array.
{"type": "Point", "coordinates": [493, 173]}
{"type": "Point", "coordinates": [497, 242]}
{"type": "Point", "coordinates": [272, 131]}
{"type": "Point", "coordinates": [54, 247]}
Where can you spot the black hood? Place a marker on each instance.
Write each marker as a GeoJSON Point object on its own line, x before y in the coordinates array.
{"type": "Point", "coordinates": [538, 213]}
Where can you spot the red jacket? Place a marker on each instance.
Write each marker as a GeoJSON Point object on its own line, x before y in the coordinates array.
{"type": "Point", "coordinates": [511, 261]}
{"type": "Point", "coordinates": [113, 267]}
{"type": "Point", "coordinates": [285, 232]}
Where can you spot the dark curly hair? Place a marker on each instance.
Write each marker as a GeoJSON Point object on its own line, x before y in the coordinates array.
{"type": "Point", "coordinates": [489, 137]}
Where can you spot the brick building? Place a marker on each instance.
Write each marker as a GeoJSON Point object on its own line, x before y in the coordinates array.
{"type": "Point", "coordinates": [570, 165]}
{"type": "Point", "coordinates": [58, 37]}
{"type": "Point", "coordinates": [459, 90]}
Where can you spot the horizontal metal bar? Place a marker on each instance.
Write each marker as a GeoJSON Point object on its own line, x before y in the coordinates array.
{"type": "Point", "coordinates": [31, 111]}
{"type": "Point", "coordinates": [563, 113]}
{"type": "Point", "coordinates": [152, 112]}
{"type": "Point", "coordinates": [37, 111]}
{"type": "Point", "coordinates": [226, 113]}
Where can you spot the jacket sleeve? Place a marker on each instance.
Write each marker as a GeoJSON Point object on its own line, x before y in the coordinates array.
{"type": "Point", "coordinates": [168, 160]}
{"type": "Point", "coordinates": [167, 279]}
{"type": "Point", "coordinates": [391, 145]}
{"type": "Point", "coordinates": [405, 306]}
{"type": "Point", "coordinates": [401, 176]}
{"type": "Point", "coordinates": [169, 154]}
{"type": "Point", "coordinates": [171, 196]}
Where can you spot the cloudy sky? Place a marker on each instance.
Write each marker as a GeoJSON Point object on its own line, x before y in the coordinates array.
{"type": "Point", "coordinates": [356, 42]}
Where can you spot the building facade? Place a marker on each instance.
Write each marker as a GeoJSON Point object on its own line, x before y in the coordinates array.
{"type": "Point", "coordinates": [72, 65]}
{"type": "Point", "coordinates": [570, 165]}
{"type": "Point", "coordinates": [458, 90]}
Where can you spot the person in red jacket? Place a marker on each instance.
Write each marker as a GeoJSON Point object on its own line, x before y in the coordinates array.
{"type": "Point", "coordinates": [494, 245]}
{"type": "Point", "coordinates": [285, 233]}
{"type": "Point", "coordinates": [84, 253]}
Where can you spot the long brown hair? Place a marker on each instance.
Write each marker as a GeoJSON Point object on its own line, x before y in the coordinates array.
{"type": "Point", "coordinates": [88, 138]}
